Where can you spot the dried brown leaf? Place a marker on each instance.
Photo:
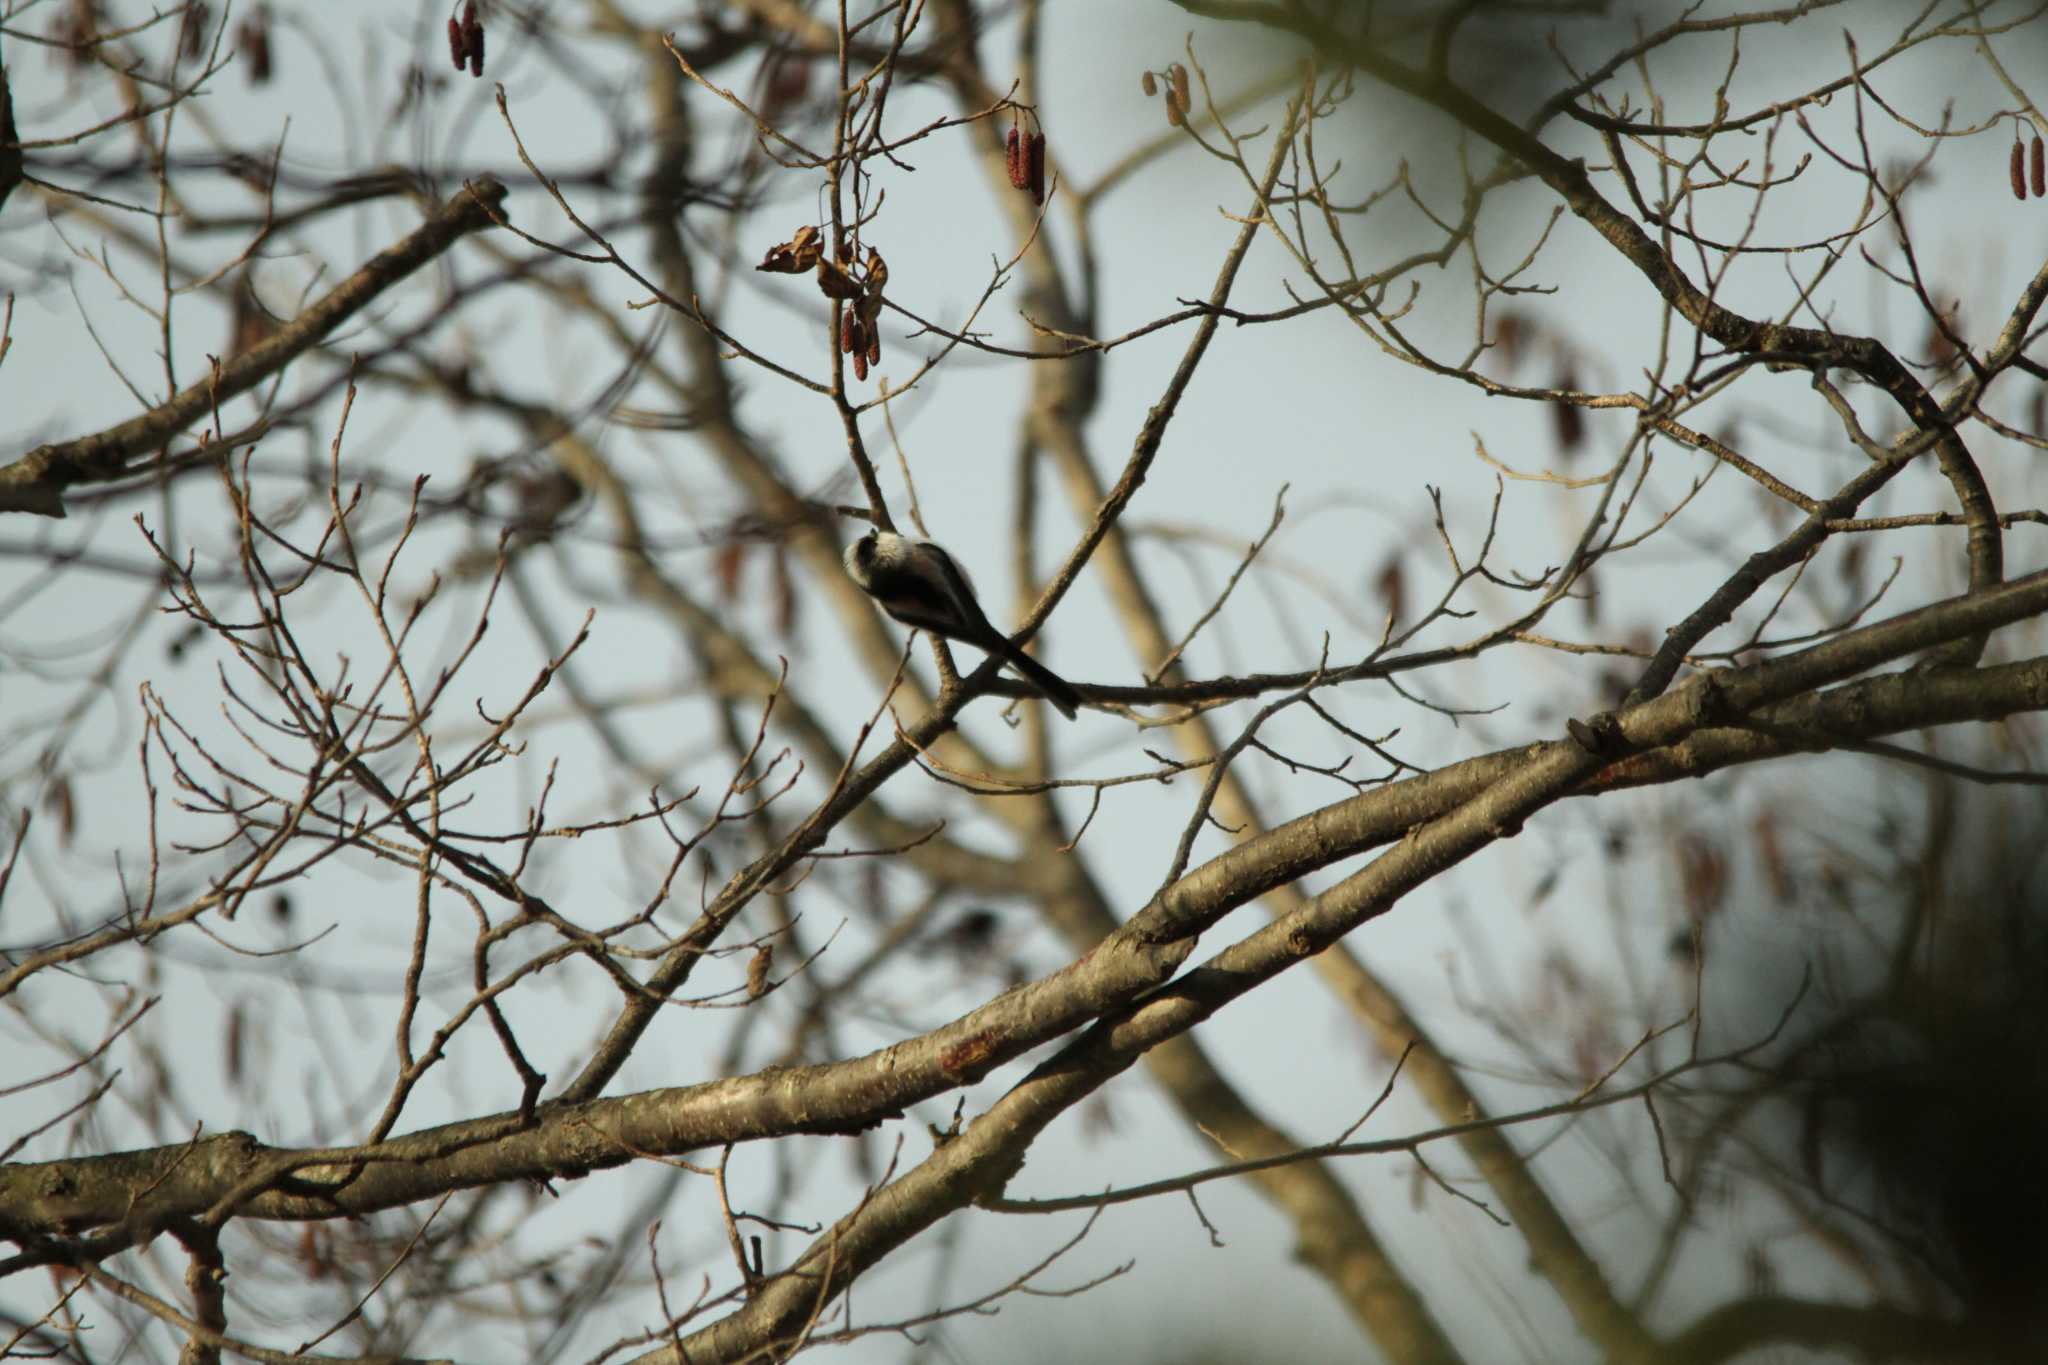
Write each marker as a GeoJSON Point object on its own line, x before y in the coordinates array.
{"type": "Point", "coordinates": [795, 256]}
{"type": "Point", "coordinates": [835, 281]}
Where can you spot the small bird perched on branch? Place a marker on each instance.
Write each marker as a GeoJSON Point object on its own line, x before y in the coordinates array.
{"type": "Point", "coordinates": [919, 584]}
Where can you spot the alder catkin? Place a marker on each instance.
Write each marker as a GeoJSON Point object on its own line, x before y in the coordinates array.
{"type": "Point", "coordinates": [1035, 167]}
{"type": "Point", "coordinates": [1013, 161]}
{"type": "Point", "coordinates": [1569, 421]}
{"type": "Point", "coordinates": [1149, 84]}
{"type": "Point", "coordinates": [2019, 171]}
{"type": "Point", "coordinates": [192, 33]}
{"type": "Point", "coordinates": [2040, 170]}
{"type": "Point", "coordinates": [252, 40]}
{"type": "Point", "coordinates": [1177, 97]}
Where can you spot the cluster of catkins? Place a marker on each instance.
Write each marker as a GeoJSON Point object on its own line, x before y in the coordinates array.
{"type": "Point", "coordinates": [1027, 163]}
{"type": "Point", "coordinates": [1179, 98]}
{"type": "Point", "coordinates": [466, 40]}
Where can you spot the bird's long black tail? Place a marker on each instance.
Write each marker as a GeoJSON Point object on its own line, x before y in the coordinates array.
{"type": "Point", "coordinates": [1057, 690]}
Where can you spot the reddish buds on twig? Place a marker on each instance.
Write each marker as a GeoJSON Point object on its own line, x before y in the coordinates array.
{"type": "Point", "coordinates": [1024, 159]}
{"type": "Point", "coordinates": [466, 40]}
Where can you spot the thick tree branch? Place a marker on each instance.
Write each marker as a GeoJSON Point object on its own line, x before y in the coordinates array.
{"type": "Point", "coordinates": [1693, 730]}
{"type": "Point", "coordinates": [36, 482]}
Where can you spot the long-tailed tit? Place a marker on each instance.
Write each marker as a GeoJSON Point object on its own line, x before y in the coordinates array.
{"type": "Point", "coordinates": [919, 584]}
